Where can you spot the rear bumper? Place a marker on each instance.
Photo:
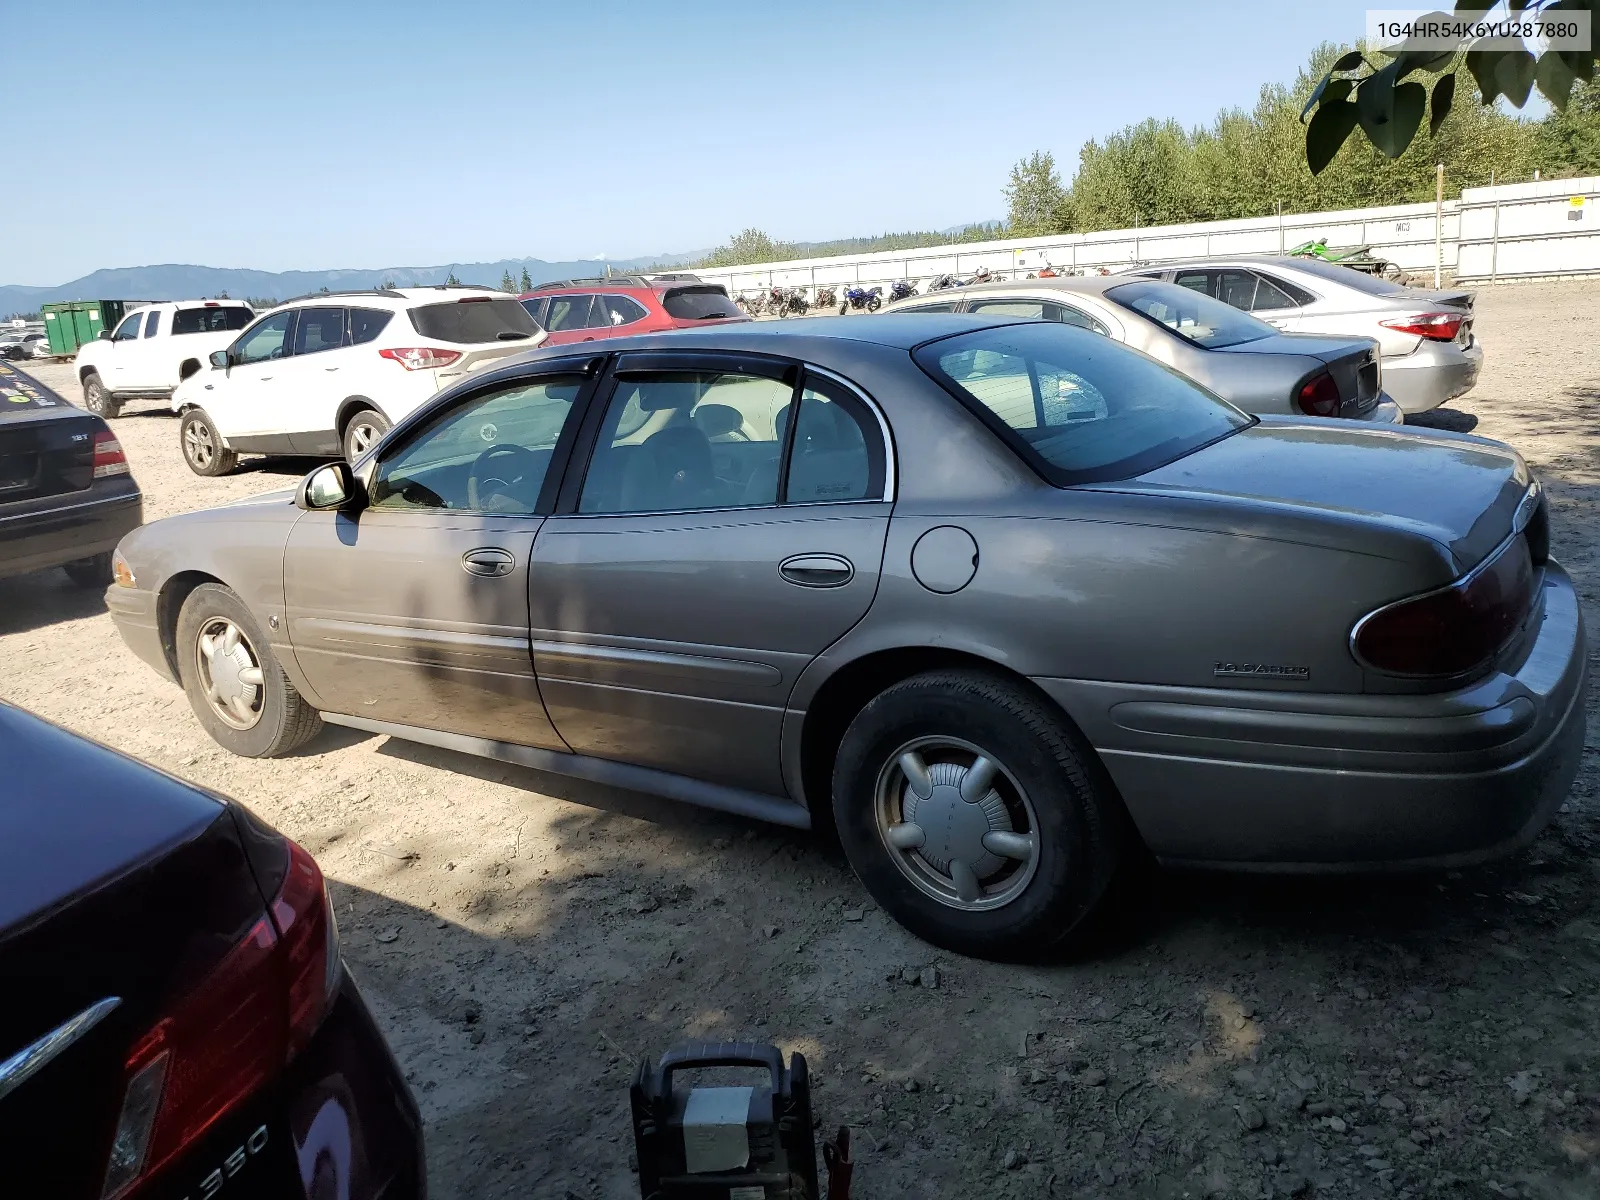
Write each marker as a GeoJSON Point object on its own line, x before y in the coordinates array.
{"type": "Point", "coordinates": [1317, 783]}
{"type": "Point", "coordinates": [1384, 412]}
{"type": "Point", "coordinates": [1432, 374]}
{"type": "Point", "coordinates": [62, 529]}
{"type": "Point", "coordinates": [341, 1122]}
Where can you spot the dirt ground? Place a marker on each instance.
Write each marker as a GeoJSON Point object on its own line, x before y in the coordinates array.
{"type": "Point", "coordinates": [524, 938]}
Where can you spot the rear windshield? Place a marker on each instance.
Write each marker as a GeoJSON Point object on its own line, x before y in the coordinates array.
{"type": "Point", "coordinates": [20, 393]}
{"type": "Point", "coordinates": [210, 320]}
{"type": "Point", "coordinates": [1077, 406]}
{"type": "Point", "coordinates": [472, 321]}
{"type": "Point", "coordinates": [1192, 315]}
{"type": "Point", "coordinates": [1348, 277]}
{"type": "Point", "coordinates": [699, 304]}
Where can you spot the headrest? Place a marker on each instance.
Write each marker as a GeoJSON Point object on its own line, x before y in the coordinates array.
{"type": "Point", "coordinates": [718, 419]}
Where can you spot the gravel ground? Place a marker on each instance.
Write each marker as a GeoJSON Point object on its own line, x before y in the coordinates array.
{"type": "Point", "coordinates": [525, 938]}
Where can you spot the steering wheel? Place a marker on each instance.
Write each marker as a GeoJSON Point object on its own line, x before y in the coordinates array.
{"type": "Point", "coordinates": [482, 486]}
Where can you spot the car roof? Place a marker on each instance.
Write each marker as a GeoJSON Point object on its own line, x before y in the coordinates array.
{"type": "Point", "coordinates": [1216, 260]}
{"type": "Point", "coordinates": [1092, 285]}
{"type": "Point", "coordinates": [387, 297]}
{"type": "Point", "coordinates": [901, 331]}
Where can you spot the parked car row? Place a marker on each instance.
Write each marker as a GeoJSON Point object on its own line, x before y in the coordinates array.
{"type": "Point", "coordinates": [996, 594]}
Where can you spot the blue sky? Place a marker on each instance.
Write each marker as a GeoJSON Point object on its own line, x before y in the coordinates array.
{"type": "Point", "coordinates": [353, 134]}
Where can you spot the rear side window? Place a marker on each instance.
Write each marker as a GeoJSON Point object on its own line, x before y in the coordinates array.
{"type": "Point", "coordinates": [1079, 408]}
{"type": "Point", "coordinates": [948, 306]}
{"type": "Point", "coordinates": [366, 324]}
{"type": "Point", "coordinates": [319, 329]}
{"type": "Point", "coordinates": [209, 320]}
{"type": "Point", "coordinates": [152, 323]}
{"type": "Point", "coordinates": [699, 304]}
{"type": "Point", "coordinates": [620, 310]}
{"type": "Point", "coordinates": [536, 306]}
{"type": "Point", "coordinates": [474, 321]}
{"type": "Point", "coordinates": [1296, 294]}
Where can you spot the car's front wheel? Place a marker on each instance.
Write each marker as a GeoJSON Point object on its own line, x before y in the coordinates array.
{"type": "Point", "coordinates": [975, 815]}
{"type": "Point", "coordinates": [363, 432]}
{"type": "Point", "coordinates": [97, 398]}
{"type": "Point", "coordinates": [233, 681]}
{"type": "Point", "coordinates": [202, 445]}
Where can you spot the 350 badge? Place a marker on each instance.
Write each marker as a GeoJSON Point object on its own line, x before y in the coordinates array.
{"type": "Point", "coordinates": [231, 1166]}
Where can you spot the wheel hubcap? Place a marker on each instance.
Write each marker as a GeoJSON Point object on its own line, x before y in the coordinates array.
{"type": "Point", "coordinates": [197, 444]}
{"type": "Point", "coordinates": [957, 823]}
{"type": "Point", "coordinates": [230, 673]}
{"type": "Point", "coordinates": [361, 438]}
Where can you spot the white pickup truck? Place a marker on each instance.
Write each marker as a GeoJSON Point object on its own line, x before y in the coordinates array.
{"type": "Point", "coordinates": [155, 348]}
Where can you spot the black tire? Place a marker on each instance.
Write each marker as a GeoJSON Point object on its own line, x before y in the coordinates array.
{"type": "Point", "coordinates": [90, 572]}
{"type": "Point", "coordinates": [1078, 839]}
{"type": "Point", "coordinates": [362, 431]}
{"type": "Point", "coordinates": [282, 718]}
{"type": "Point", "coordinates": [97, 399]}
{"type": "Point", "coordinates": [202, 445]}
{"type": "Point", "coordinates": [874, 304]}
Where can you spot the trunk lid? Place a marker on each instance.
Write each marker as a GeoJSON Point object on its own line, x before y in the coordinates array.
{"type": "Point", "coordinates": [1352, 361]}
{"type": "Point", "coordinates": [1460, 491]}
{"type": "Point", "coordinates": [46, 445]}
{"type": "Point", "coordinates": [122, 884]}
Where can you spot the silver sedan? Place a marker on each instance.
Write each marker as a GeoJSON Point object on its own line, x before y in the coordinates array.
{"type": "Point", "coordinates": [999, 600]}
{"type": "Point", "coordinates": [1242, 359]}
{"type": "Point", "coordinates": [1430, 354]}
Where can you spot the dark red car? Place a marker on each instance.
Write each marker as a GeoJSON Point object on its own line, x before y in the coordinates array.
{"type": "Point", "coordinates": [176, 1022]}
{"type": "Point", "coordinates": [582, 310]}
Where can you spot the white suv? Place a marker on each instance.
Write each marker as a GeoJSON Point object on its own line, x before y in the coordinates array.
{"type": "Point", "coordinates": [330, 374]}
{"type": "Point", "coordinates": [153, 349]}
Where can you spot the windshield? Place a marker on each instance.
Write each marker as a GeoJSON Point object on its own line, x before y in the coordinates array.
{"type": "Point", "coordinates": [1195, 317]}
{"type": "Point", "coordinates": [473, 320]}
{"type": "Point", "coordinates": [1077, 406]}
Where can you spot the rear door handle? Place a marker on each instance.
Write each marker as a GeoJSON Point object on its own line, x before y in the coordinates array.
{"type": "Point", "coordinates": [817, 570]}
{"type": "Point", "coordinates": [489, 561]}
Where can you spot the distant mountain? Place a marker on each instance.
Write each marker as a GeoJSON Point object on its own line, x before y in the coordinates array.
{"type": "Point", "coordinates": [183, 281]}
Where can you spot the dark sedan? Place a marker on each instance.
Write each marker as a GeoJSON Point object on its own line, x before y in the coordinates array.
{"type": "Point", "coordinates": [66, 495]}
{"type": "Point", "coordinates": [176, 1020]}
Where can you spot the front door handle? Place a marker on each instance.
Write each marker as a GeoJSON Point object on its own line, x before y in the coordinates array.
{"type": "Point", "coordinates": [817, 570]}
{"type": "Point", "coordinates": [489, 561]}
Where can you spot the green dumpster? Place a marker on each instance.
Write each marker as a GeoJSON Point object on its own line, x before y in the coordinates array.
{"type": "Point", "coordinates": [70, 323]}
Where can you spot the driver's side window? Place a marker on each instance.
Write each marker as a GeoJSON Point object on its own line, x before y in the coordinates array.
{"type": "Point", "coordinates": [129, 329]}
{"type": "Point", "coordinates": [270, 339]}
{"type": "Point", "coordinates": [489, 454]}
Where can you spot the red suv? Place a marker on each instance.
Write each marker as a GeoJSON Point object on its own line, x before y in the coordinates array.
{"type": "Point", "coordinates": [581, 310]}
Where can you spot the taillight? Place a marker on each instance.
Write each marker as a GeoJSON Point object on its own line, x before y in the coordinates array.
{"type": "Point", "coordinates": [108, 456]}
{"type": "Point", "coordinates": [1453, 630]}
{"type": "Point", "coordinates": [1319, 396]}
{"type": "Point", "coordinates": [233, 1033]}
{"type": "Point", "coordinates": [1439, 326]}
{"type": "Point", "coordinates": [420, 358]}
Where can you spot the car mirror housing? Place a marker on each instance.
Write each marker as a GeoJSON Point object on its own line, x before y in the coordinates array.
{"type": "Point", "coordinates": [219, 360]}
{"type": "Point", "coordinates": [333, 486]}
{"type": "Point", "coordinates": [104, 335]}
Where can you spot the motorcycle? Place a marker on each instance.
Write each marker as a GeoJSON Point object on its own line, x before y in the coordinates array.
{"type": "Point", "coordinates": [982, 275]}
{"type": "Point", "coordinates": [900, 289]}
{"type": "Point", "coordinates": [870, 299]}
{"type": "Point", "coordinates": [940, 283]}
{"type": "Point", "coordinates": [826, 298]}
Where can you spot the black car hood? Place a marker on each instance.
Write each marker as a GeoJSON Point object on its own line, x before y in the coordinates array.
{"type": "Point", "coordinates": [1460, 491]}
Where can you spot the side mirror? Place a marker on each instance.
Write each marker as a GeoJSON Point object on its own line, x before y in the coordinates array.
{"type": "Point", "coordinates": [219, 360]}
{"type": "Point", "coordinates": [103, 336]}
{"type": "Point", "coordinates": [333, 486]}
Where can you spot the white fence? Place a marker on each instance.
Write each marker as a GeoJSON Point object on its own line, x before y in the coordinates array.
{"type": "Point", "coordinates": [1530, 229]}
{"type": "Point", "coordinates": [1533, 234]}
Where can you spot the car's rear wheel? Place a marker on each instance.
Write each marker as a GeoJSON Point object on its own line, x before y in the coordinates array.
{"type": "Point", "coordinates": [97, 398]}
{"type": "Point", "coordinates": [363, 432]}
{"type": "Point", "coordinates": [233, 681]}
{"type": "Point", "coordinates": [975, 815]}
{"type": "Point", "coordinates": [92, 572]}
{"type": "Point", "coordinates": [202, 445]}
